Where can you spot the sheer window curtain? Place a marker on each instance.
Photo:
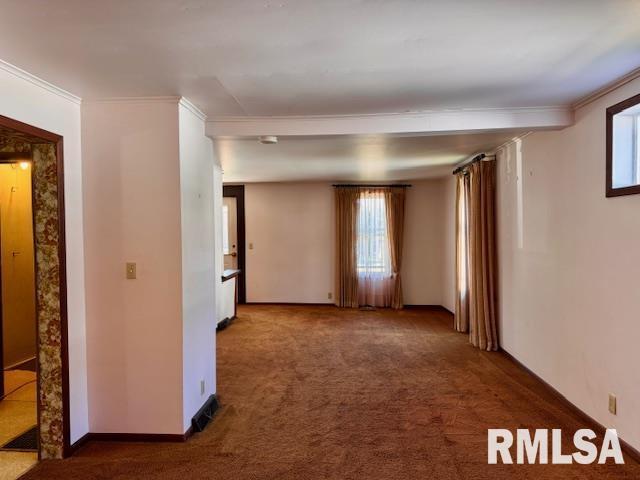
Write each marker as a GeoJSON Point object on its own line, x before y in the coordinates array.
{"type": "Point", "coordinates": [461, 322]}
{"type": "Point", "coordinates": [373, 256]}
{"type": "Point", "coordinates": [370, 228]}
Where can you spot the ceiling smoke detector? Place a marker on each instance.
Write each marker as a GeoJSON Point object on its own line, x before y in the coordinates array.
{"type": "Point", "coordinates": [268, 139]}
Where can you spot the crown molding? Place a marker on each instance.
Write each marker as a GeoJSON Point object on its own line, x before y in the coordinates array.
{"type": "Point", "coordinates": [186, 103]}
{"type": "Point", "coordinates": [24, 75]}
{"type": "Point", "coordinates": [169, 99]}
{"type": "Point", "coordinates": [134, 100]}
{"type": "Point", "coordinates": [610, 87]}
{"type": "Point", "coordinates": [425, 122]}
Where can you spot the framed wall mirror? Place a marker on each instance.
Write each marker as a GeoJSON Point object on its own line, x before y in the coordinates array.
{"type": "Point", "coordinates": [623, 148]}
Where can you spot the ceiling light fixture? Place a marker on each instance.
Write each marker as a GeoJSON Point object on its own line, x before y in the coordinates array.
{"type": "Point", "coordinates": [268, 139]}
{"type": "Point", "coordinates": [24, 165]}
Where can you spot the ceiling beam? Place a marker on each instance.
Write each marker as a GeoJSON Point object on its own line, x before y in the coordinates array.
{"type": "Point", "coordinates": [440, 122]}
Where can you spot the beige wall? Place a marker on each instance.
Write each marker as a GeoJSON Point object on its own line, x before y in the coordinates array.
{"type": "Point", "coordinates": [291, 227]}
{"type": "Point", "coordinates": [28, 100]}
{"type": "Point", "coordinates": [134, 327]}
{"type": "Point", "coordinates": [569, 264]}
{"type": "Point", "coordinates": [422, 258]}
{"type": "Point", "coordinates": [198, 205]}
{"type": "Point", "coordinates": [18, 274]}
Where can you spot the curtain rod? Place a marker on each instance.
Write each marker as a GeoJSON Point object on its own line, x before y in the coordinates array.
{"type": "Point", "coordinates": [475, 159]}
{"type": "Point", "coordinates": [370, 185]}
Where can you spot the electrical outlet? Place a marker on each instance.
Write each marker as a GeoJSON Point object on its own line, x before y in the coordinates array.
{"type": "Point", "coordinates": [613, 404]}
{"type": "Point", "coordinates": [201, 387]}
{"type": "Point", "coordinates": [329, 295]}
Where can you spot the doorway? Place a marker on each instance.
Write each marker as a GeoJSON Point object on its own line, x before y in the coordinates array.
{"type": "Point", "coordinates": [234, 234]}
{"type": "Point", "coordinates": [33, 308]}
{"type": "Point", "coordinates": [18, 344]}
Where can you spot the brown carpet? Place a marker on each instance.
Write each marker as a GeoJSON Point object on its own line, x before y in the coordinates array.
{"type": "Point", "coordinates": [323, 393]}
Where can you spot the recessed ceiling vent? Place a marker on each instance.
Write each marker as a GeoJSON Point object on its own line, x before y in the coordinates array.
{"type": "Point", "coordinates": [268, 139]}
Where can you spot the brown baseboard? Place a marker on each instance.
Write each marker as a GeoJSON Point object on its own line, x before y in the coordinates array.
{"type": "Point", "coordinates": [427, 307]}
{"type": "Point", "coordinates": [137, 437]}
{"type": "Point", "coordinates": [128, 437]}
{"type": "Point", "coordinates": [77, 445]}
{"type": "Point", "coordinates": [294, 304]}
{"type": "Point", "coordinates": [594, 424]}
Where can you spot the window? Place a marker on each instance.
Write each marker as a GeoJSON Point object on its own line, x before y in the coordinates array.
{"type": "Point", "coordinates": [372, 251]}
{"type": "Point", "coordinates": [623, 148]}
{"type": "Point", "coordinates": [225, 230]}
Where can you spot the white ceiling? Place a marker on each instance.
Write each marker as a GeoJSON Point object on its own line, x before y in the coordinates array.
{"type": "Point", "coordinates": [328, 57]}
{"type": "Point", "coordinates": [350, 158]}
{"type": "Point", "coordinates": [250, 58]}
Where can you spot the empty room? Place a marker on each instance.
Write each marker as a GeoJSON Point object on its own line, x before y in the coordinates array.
{"type": "Point", "coordinates": [344, 240]}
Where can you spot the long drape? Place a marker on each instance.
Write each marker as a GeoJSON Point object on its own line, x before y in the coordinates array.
{"type": "Point", "coordinates": [461, 322]}
{"type": "Point", "coordinates": [476, 261]}
{"type": "Point", "coordinates": [346, 200]}
{"type": "Point", "coordinates": [483, 329]}
{"type": "Point", "coordinates": [394, 202]}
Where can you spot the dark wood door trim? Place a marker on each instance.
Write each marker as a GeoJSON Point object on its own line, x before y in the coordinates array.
{"type": "Point", "coordinates": [237, 191]}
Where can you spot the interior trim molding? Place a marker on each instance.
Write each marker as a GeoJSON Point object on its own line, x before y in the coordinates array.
{"type": "Point", "coordinates": [189, 105]}
{"type": "Point", "coordinates": [596, 426]}
{"type": "Point", "coordinates": [171, 99]}
{"type": "Point", "coordinates": [208, 409]}
{"type": "Point", "coordinates": [156, 99]}
{"type": "Point", "coordinates": [294, 304]}
{"type": "Point", "coordinates": [24, 75]}
{"type": "Point", "coordinates": [137, 437]}
{"type": "Point", "coordinates": [21, 363]}
{"type": "Point", "coordinates": [608, 88]}
{"type": "Point", "coordinates": [427, 307]}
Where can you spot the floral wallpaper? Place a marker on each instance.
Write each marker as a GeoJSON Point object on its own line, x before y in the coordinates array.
{"type": "Point", "coordinates": [45, 207]}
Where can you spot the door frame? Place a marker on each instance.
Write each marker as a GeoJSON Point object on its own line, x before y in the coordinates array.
{"type": "Point", "coordinates": [237, 192]}
{"type": "Point", "coordinates": [53, 179]}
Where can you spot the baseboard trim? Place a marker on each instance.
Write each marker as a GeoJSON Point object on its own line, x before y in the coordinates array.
{"type": "Point", "coordinates": [427, 307]}
{"type": "Point", "coordinates": [294, 304]}
{"type": "Point", "coordinates": [596, 426]}
{"type": "Point", "coordinates": [128, 437]}
{"type": "Point", "coordinates": [22, 363]}
{"type": "Point", "coordinates": [77, 445]}
{"type": "Point", "coordinates": [137, 437]}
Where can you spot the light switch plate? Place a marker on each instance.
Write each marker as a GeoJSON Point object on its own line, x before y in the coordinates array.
{"type": "Point", "coordinates": [131, 271]}
{"type": "Point", "coordinates": [613, 404]}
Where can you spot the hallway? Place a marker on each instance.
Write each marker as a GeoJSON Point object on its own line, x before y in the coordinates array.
{"type": "Point", "coordinates": [317, 392]}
